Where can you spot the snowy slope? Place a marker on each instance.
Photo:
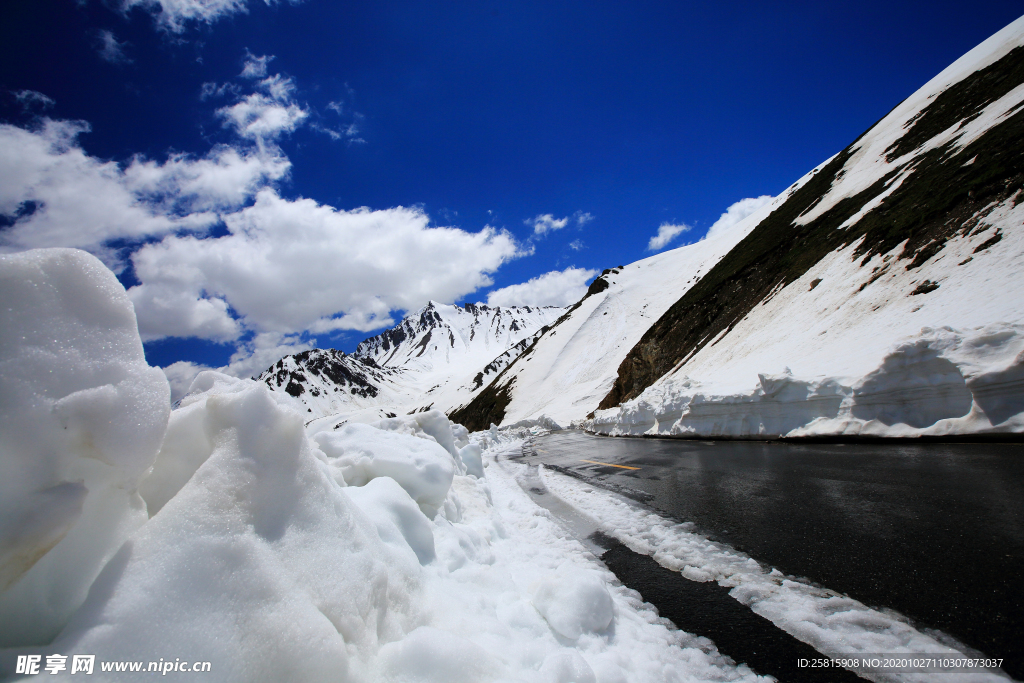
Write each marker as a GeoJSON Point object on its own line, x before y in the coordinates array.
{"type": "Point", "coordinates": [431, 358]}
{"type": "Point", "coordinates": [572, 366]}
{"type": "Point", "coordinates": [890, 303]}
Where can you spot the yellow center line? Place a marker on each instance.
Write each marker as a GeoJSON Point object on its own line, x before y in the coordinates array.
{"type": "Point", "coordinates": [608, 464]}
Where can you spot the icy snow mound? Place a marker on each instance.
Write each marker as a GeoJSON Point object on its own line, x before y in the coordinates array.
{"type": "Point", "coordinates": [935, 383]}
{"type": "Point", "coordinates": [267, 565]}
{"type": "Point", "coordinates": [574, 602]}
{"type": "Point", "coordinates": [260, 564]}
{"type": "Point", "coordinates": [360, 453]}
{"type": "Point", "coordinates": [82, 416]}
{"type": "Point", "coordinates": [187, 444]}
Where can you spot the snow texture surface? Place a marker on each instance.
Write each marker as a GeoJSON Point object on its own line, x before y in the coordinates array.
{"type": "Point", "coordinates": [82, 417]}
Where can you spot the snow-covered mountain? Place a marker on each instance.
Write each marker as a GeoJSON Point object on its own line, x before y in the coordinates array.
{"type": "Point", "coordinates": [439, 356]}
{"type": "Point", "coordinates": [881, 294]}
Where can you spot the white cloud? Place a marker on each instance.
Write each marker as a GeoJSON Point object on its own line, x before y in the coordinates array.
{"type": "Point", "coordinates": [31, 98]}
{"type": "Point", "coordinates": [546, 222]}
{"type": "Point", "coordinates": [666, 233]}
{"type": "Point", "coordinates": [175, 15]}
{"type": "Point", "coordinates": [576, 245]}
{"type": "Point", "coordinates": [255, 66]}
{"type": "Point", "coordinates": [82, 201]}
{"type": "Point", "coordinates": [736, 213]}
{"type": "Point", "coordinates": [289, 266]}
{"type": "Point", "coordinates": [78, 200]}
{"type": "Point", "coordinates": [249, 360]}
{"type": "Point", "coordinates": [224, 179]}
{"type": "Point", "coordinates": [555, 288]}
{"type": "Point", "coordinates": [110, 49]}
{"type": "Point", "coordinates": [285, 268]}
{"type": "Point", "coordinates": [262, 118]}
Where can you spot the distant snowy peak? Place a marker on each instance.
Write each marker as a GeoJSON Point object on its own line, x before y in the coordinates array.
{"type": "Point", "coordinates": [438, 356]}
{"type": "Point", "coordinates": [440, 334]}
{"type": "Point", "coordinates": [328, 379]}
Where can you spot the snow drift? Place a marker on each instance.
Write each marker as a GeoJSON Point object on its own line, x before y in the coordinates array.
{"type": "Point", "coordinates": [935, 383]}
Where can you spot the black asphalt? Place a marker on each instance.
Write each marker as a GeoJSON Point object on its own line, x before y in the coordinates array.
{"type": "Point", "coordinates": [934, 531]}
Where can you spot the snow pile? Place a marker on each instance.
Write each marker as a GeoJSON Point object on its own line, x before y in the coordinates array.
{"type": "Point", "coordinates": [393, 551]}
{"type": "Point", "coordinates": [186, 443]}
{"type": "Point", "coordinates": [360, 453]}
{"type": "Point", "coordinates": [261, 563]}
{"type": "Point", "coordinates": [271, 563]}
{"type": "Point", "coordinates": [934, 383]}
{"type": "Point", "coordinates": [82, 416]}
{"type": "Point", "coordinates": [833, 624]}
{"type": "Point", "coordinates": [574, 602]}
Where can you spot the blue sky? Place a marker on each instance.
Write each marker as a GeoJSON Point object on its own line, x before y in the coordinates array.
{"type": "Point", "coordinates": [222, 141]}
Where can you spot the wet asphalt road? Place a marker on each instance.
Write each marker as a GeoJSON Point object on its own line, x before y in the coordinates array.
{"type": "Point", "coordinates": [934, 531]}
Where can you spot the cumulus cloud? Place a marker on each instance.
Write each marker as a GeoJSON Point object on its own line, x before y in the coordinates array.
{"type": "Point", "coordinates": [576, 245]}
{"type": "Point", "coordinates": [262, 118]}
{"type": "Point", "coordinates": [555, 288]}
{"type": "Point", "coordinates": [110, 49]}
{"type": "Point", "coordinates": [57, 195]}
{"type": "Point", "coordinates": [262, 351]}
{"type": "Point", "coordinates": [582, 218]}
{"type": "Point", "coordinates": [282, 271]}
{"type": "Point", "coordinates": [666, 233]}
{"type": "Point", "coordinates": [175, 15]}
{"type": "Point", "coordinates": [298, 265]}
{"type": "Point", "coordinates": [180, 375]}
{"type": "Point", "coordinates": [736, 213]}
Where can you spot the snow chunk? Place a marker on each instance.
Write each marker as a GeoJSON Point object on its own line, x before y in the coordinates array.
{"type": "Point", "coordinates": [574, 602]}
{"type": "Point", "coordinates": [429, 655]}
{"type": "Point", "coordinates": [470, 457]}
{"type": "Point", "coordinates": [83, 415]}
{"type": "Point", "coordinates": [567, 666]}
{"type": "Point", "coordinates": [400, 522]}
{"type": "Point", "coordinates": [260, 564]}
{"type": "Point", "coordinates": [361, 453]}
{"type": "Point", "coordinates": [186, 444]}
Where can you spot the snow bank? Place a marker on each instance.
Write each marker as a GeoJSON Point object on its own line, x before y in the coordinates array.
{"type": "Point", "coordinates": [833, 624]}
{"type": "Point", "coordinates": [285, 557]}
{"type": "Point", "coordinates": [260, 564]}
{"type": "Point", "coordinates": [82, 417]}
{"type": "Point", "coordinates": [938, 382]}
